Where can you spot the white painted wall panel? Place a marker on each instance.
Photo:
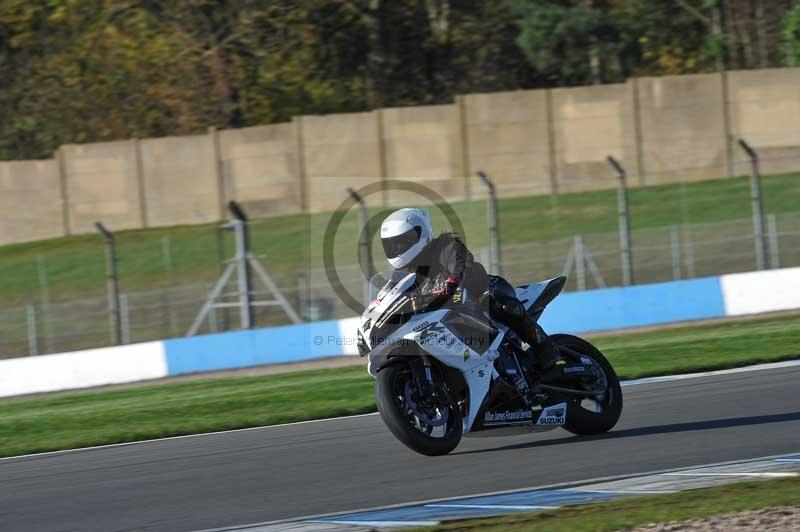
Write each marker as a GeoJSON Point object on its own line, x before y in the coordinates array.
{"type": "Point", "coordinates": [743, 293]}
{"type": "Point", "coordinates": [348, 331]}
{"type": "Point", "coordinates": [81, 369]}
{"type": "Point", "coordinates": [764, 291]}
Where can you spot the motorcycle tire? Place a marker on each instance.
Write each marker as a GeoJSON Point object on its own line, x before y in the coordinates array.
{"type": "Point", "coordinates": [393, 414]}
{"type": "Point", "coordinates": [579, 420]}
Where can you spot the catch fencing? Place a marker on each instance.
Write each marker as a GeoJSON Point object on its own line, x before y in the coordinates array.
{"type": "Point", "coordinates": [54, 297]}
{"type": "Point", "coordinates": [591, 260]}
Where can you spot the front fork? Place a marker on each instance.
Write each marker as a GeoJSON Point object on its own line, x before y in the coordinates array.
{"type": "Point", "coordinates": [423, 372]}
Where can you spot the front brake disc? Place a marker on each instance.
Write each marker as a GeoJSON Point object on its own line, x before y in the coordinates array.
{"type": "Point", "coordinates": [439, 417]}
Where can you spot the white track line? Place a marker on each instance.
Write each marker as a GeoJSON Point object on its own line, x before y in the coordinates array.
{"type": "Point", "coordinates": [764, 475]}
{"type": "Point", "coordinates": [493, 506]}
{"type": "Point", "coordinates": [625, 491]}
{"type": "Point", "coordinates": [378, 523]}
{"type": "Point", "coordinates": [669, 378]}
{"type": "Point", "coordinates": [571, 485]}
{"type": "Point", "coordinates": [646, 380]}
{"type": "Point", "coordinates": [124, 444]}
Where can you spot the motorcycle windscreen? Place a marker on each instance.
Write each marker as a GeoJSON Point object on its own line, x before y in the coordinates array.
{"type": "Point", "coordinates": [382, 282]}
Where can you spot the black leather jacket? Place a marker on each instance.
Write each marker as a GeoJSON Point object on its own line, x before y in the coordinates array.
{"type": "Point", "coordinates": [444, 256]}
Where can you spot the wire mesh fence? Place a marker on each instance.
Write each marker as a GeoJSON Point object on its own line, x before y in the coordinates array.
{"type": "Point", "coordinates": [54, 295]}
{"type": "Point", "coordinates": [591, 260]}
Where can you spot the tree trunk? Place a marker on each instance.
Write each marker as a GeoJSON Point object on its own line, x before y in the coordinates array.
{"type": "Point", "coordinates": [761, 32]}
{"type": "Point", "coordinates": [594, 62]}
{"type": "Point", "coordinates": [719, 35]}
{"type": "Point", "coordinates": [594, 55]}
{"type": "Point", "coordinates": [376, 54]}
{"type": "Point", "coordinates": [438, 12]}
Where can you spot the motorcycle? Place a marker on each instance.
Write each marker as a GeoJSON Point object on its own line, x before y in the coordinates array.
{"type": "Point", "coordinates": [445, 371]}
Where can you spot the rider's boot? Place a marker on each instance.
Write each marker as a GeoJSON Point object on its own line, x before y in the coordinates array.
{"type": "Point", "coordinates": [544, 351]}
{"type": "Point", "coordinates": [511, 310]}
{"type": "Point", "coordinates": [543, 354]}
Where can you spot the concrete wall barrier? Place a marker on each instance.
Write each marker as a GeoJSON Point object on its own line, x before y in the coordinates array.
{"type": "Point", "coordinates": [339, 151]}
{"type": "Point", "coordinates": [181, 180]}
{"type": "Point", "coordinates": [635, 306]}
{"type": "Point", "coordinates": [577, 312]}
{"type": "Point", "coordinates": [684, 127]}
{"type": "Point", "coordinates": [260, 168]}
{"type": "Point", "coordinates": [757, 292]}
{"type": "Point", "coordinates": [665, 129]}
{"type": "Point", "coordinates": [508, 135]}
{"type": "Point", "coordinates": [31, 201]}
{"type": "Point", "coordinates": [275, 345]}
{"type": "Point", "coordinates": [423, 144]}
{"type": "Point", "coordinates": [767, 116]}
{"type": "Point", "coordinates": [590, 123]}
{"type": "Point", "coordinates": [82, 369]}
{"type": "Point", "coordinates": [103, 182]}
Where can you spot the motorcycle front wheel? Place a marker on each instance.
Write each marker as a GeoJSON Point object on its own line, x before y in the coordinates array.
{"type": "Point", "coordinates": [426, 428]}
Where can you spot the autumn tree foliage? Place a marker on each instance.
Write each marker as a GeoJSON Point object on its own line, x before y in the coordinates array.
{"type": "Point", "coordinates": [92, 70]}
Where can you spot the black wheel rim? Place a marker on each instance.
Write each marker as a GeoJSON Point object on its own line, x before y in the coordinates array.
{"type": "Point", "coordinates": [433, 421]}
{"type": "Point", "coordinates": [600, 403]}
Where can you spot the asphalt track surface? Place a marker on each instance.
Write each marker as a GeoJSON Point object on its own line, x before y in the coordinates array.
{"type": "Point", "coordinates": [272, 473]}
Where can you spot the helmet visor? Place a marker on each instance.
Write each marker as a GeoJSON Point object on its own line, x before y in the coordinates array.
{"type": "Point", "coordinates": [395, 246]}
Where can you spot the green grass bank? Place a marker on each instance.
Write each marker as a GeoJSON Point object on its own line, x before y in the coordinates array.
{"type": "Point", "coordinates": [627, 513]}
{"type": "Point", "coordinates": [79, 419]}
{"type": "Point", "coordinates": [153, 258]}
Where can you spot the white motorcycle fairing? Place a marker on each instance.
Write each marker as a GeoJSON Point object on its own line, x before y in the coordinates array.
{"type": "Point", "coordinates": [477, 368]}
{"type": "Point", "coordinates": [531, 294]}
{"type": "Point", "coordinates": [432, 336]}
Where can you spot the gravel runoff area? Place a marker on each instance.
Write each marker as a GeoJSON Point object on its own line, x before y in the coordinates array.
{"type": "Point", "coordinates": [777, 519]}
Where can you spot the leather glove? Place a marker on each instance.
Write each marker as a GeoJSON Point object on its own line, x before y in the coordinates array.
{"type": "Point", "coordinates": [444, 289]}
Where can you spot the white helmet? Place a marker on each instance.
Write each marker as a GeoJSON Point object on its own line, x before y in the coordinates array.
{"type": "Point", "coordinates": [404, 234]}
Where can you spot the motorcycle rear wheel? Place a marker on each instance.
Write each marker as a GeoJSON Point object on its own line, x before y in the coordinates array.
{"type": "Point", "coordinates": [404, 424]}
{"type": "Point", "coordinates": [607, 408]}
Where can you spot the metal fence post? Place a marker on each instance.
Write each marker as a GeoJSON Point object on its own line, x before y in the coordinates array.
{"type": "Point", "coordinates": [688, 251]}
{"type": "Point", "coordinates": [166, 255]}
{"type": "Point", "coordinates": [41, 271]}
{"type": "Point", "coordinates": [302, 294]}
{"type": "Point", "coordinates": [484, 256]}
{"type": "Point", "coordinates": [774, 245]}
{"type": "Point", "coordinates": [44, 286]}
{"type": "Point", "coordinates": [364, 249]}
{"type": "Point", "coordinates": [220, 234]}
{"type": "Point", "coordinates": [33, 344]}
{"type": "Point", "coordinates": [113, 284]}
{"type": "Point", "coordinates": [168, 303]}
{"type": "Point", "coordinates": [244, 278]}
{"type": "Point", "coordinates": [496, 264]}
{"type": "Point", "coordinates": [580, 264]}
{"type": "Point", "coordinates": [173, 318]}
{"type": "Point", "coordinates": [242, 266]}
{"type": "Point", "coordinates": [167, 300]}
{"type": "Point", "coordinates": [626, 256]}
{"type": "Point", "coordinates": [212, 320]}
{"type": "Point", "coordinates": [213, 326]}
{"type": "Point", "coordinates": [675, 242]}
{"type": "Point", "coordinates": [758, 209]}
{"type": "Point", "coordinates": [125, 318]}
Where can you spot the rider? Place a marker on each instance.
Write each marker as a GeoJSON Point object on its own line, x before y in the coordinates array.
{"type": "Point", "coordinates": [444, 263]}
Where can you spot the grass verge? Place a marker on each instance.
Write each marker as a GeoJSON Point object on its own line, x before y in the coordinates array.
{"type": "Point", "coordinates": [72, 420]}
{"type": "Point", "coordinates": [622, 514]}
{"type": "Point", "coordinates": [74, 266]}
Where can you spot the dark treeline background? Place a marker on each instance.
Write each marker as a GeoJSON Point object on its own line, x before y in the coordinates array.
{"type": "Point", "coordinates": [93, 70]}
